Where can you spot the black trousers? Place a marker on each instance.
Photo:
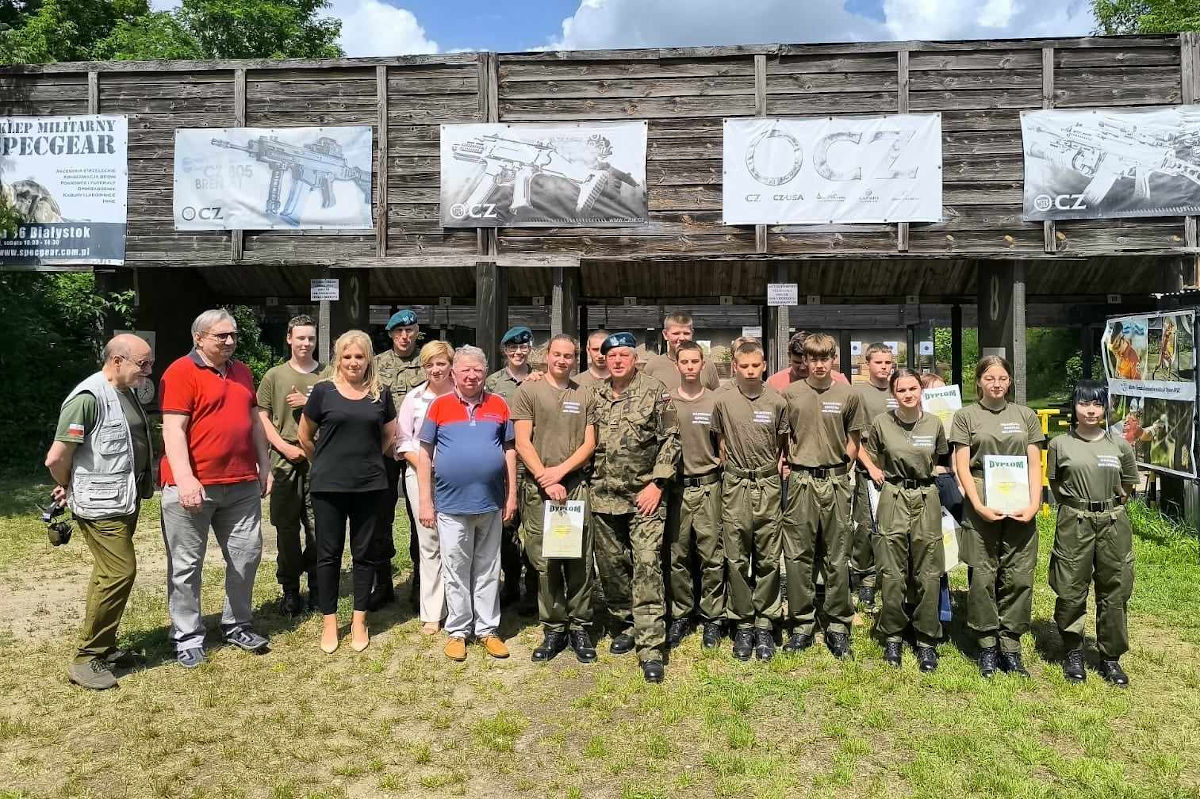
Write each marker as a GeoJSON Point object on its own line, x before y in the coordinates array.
{"type": "Point", "coordinates": [333, 509]}
{"type": "Point", "coordinates": [385, 545]}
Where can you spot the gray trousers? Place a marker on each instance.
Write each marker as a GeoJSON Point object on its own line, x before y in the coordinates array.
{"type": "Point", "coordinates": [234, 513]}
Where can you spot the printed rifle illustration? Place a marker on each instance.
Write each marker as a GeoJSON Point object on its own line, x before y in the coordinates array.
{"type": "Point", "coordinates": [503, 161]}
{"type": "Point", "coordinates": [315, 165]}
{"type": "Point", "coordinates": [1111, 151]}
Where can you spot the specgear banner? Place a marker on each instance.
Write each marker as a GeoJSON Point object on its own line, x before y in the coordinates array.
{"type": "Point", "coordinates": [1150, 363]}
{"type": "Point", "coordinates": [67, 179]}
{"type": "Point", "coordinates": [1106, 163]}
{"type": "Point", "coordinates": [587, 174]}
{"type": "Point", "coordinates": [273, 178]}
{"type": "Point", "coordinates": [829, 170]}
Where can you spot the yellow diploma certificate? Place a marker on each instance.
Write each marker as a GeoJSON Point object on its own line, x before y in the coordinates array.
{"type": "Point", "coordinates": [942, 402]}
{"type": "Point", "coordinates": [1006, 482]}
{"type": "Point", "coordinates": [562, 529]}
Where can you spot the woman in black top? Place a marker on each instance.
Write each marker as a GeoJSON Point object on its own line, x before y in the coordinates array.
{"type": "Point", "coordinates": [348, 423]}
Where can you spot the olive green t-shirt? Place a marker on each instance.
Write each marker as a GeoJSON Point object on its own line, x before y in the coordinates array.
{"type": "Point", "coordinates": [1092, 471]}
{"type": "Point", "coordinates": [696, 433]}
{"type": "Point", "coordinates": [751, 426]}
{"type": "Point", "coordinates": [78, 417]}
{"type": "Point", "coordinates": [273, 391]}
{"type": "Point", "coordinates": [906, 451]}
{"type": "Point", "coordinates": [874, 400]}
{"type": "Point", "coordinates": [1008, 431]}
{"type": "Point", "coordinates": [560, 417]}
{"type": "Point", "coordinates": [503, 383]}
{"type": "Point", "coordinates": [820, 422]}
{"type": "Point", "coordinates": [664, 368]}
{"type": "Point", "coordinates": [586, 378]}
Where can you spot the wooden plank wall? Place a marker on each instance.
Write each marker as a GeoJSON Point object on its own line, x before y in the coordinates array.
{"type": "Point", "coordinates": [979, 88]}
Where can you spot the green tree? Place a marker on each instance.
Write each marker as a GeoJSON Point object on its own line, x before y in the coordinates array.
{"type": "Point", "coordinates": [1146, 16]}
{"type": "Point", "coordinates": [157, 35]}
{"type": "Point", "coordinates": [262, 28]}
{"type": "Point", "coordinates": [62, 30]}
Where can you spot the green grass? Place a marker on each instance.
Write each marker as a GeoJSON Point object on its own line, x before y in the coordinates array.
{"type": "Point", "coordinates": [399, 719]}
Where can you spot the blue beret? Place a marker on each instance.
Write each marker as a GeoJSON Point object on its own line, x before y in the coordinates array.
{"type": "Point", "coordinates": [517, 335]}
{"type": "Point", "coordinates": [618, 340]}
{"type": "Point", "coordinates": [402, 319]}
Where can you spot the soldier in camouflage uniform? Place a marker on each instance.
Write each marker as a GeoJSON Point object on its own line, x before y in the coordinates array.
{"type": "Point", "coordinates": [516, 344]}
{"type": "Point", "coordinates": [400, 370]}
{"type": "Point", "coordinates": [637, 454]}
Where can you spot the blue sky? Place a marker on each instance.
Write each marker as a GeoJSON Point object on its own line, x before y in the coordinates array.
{"type": "Point", "coordinates": [394, 27]}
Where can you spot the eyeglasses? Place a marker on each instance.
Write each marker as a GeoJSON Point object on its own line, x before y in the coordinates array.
{"type": "Point", "coordinates": [230, 336]}
{"type": "Point", "coordinates": [142, 365]}
{"type": "Point", "coordinates": [518, 347]}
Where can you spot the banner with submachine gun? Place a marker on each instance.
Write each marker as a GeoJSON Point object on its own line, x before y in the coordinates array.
{"type": "Point", "coordinates": [590, 174]}
{"type": "Point", "coordinates": [273, 178]}
{"type": "Point", "coordinates": [1110, 162]}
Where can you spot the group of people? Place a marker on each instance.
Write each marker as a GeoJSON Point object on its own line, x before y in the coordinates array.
{"type": "Point", "coordinates": [733, 508]}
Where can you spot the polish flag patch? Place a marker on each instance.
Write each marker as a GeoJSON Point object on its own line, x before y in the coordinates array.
{"type": "Point", "coordinates": [75, 429]}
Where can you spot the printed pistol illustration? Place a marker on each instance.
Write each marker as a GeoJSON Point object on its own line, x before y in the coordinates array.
{"type": "Point", "coordinates": [1110, 151]}
{"type": "Point", "coordinates": [315, 165]}
{"type": "Point", "coordinates": [504, 161]}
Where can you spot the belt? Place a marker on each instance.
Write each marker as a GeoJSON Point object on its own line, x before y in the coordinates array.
{"type": "Point", "coordinates": [751, 474]}
{"type": "Point", "coordinates": [1091, 507]}
{"type": "Point", "coordinates": [913, 483]}
{"type": "Point", "coordinates": [822, 472]}
{"type": "Point", "coordinates": [701, 480]}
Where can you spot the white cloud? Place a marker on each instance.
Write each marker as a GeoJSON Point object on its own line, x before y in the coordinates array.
{"type": "Point", "coordinates": [375, 28]}
{"type": "Point", "coordinates": [599, 24]}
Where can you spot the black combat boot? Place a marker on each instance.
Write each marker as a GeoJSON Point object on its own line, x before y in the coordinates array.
{"type": "Point", "coordinates": [1010, 663]}
{"type": "Point", "coordinates": [621, 644]}
{"type": "Point", "coordinates": [678, 630]}
{"type": "Point", "coordinates": [1111, 670]}
{"type": "Point", "coordinates": [743, 643]}
{"type": "Point", "coordinates": [764, 643]}
{"type": "Point", "coordinates": [1073, 668]}
{"type": "Point", "coordinates": [988, 658]}
{"type": "Point", "coordinates": [798, 642]}
{"type": "Point", "coordinates": [712, 635]}
{"type": "Point", "coordinates": [892, 653]}
{"type": "Point", "coordinates": [553, 643]}
{"type": "Point", "coordinates": [927, 658]}
{"type": "Point", "coordinates": [839, 645]}
{"type": "Point", "coordinates": [581, 642]}
{"type": "Point", "coordinates": [653, 671]}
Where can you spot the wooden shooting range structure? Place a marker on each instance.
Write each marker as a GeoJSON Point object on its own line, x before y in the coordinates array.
{"type": "Point", "coordinates": [981, 266]}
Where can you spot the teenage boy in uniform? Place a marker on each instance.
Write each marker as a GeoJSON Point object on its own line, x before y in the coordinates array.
{"type": "Point", "coordinates": [596, 371]}
{"type": "Point", "coordinates": [281, 396]}
{"type": "Point", "coordinates": [824, 420]}
{"type": "Point", "coordinates": [694, 508]}
{"type": "Point", "coordinates": [677, 328]}
{"type": "Point", "coordinates": [555, 421]}
{"type": "Point", "coordinates": [751, 423]}
{"type": "Point", "coordinates": [875, 397]}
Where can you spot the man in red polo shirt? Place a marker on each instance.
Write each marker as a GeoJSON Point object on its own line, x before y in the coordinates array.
{"type": "Point", "coordinates": [798, 367]}
{"type": "Point", "coordinates": [214, 472]}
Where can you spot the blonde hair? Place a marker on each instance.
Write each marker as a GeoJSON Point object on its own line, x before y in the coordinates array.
{"type": "Point", "coordinates": [435, 349]}
{"type": "Point", "coordinates": [358, 338]}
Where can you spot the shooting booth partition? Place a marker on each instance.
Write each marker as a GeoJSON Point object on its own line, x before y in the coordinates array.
{"type": "Point", "coordinates": [981, 261]}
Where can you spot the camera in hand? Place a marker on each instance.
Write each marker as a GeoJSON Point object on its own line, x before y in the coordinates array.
{"type": "Point", "coordinates": [58, 530]}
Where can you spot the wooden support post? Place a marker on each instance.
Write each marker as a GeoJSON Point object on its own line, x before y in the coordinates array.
{"type": "Point", "coordinates": [1049, 234]}
{"type": "Point", "coordinates": [1189, 65]}
{"type": "Point", "coordinates": [956, 345]}
{"type": "Point", "coordinates": [491, 280]}
{"type": "Point", "coordinates": [564, 301]}
{"type": "Point", "coordinates": [381, 161]}
{"type": "Point", "coordinates": [760, 110]}
{"type": "Point", "coordinates": [1002, 316]}
{"type": "Point", "coordinates": [93, 92]}
{"type": "Point", "coordinates": [902, 108]}
{"type": "Point", "coordinates": [491, 310]}
{"type": "Point", "coordinates": [236, 237]}
{"type": "Point", "coordinates": [350, 312]}
{"type": "Point", "coordinates": [910, 345]}
{"type": "Point", "coordinates": [778, 332]}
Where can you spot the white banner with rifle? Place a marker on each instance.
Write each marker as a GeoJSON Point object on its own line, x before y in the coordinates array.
{"type": "Point", "coordinates": [1105, 163]}
{"type": "Point", "coordinates": [273, 178]}
{"type": "Point", "coordinates": [586, 174]}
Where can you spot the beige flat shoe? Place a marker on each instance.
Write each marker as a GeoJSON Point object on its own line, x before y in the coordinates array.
{"type": "Point", "coordinates": [329, 647]}
{"type": "Point", "coordinates": [430, 627]}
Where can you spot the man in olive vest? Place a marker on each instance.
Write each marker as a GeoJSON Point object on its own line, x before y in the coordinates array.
{"type": "Point", "coordinates": [100, 461]}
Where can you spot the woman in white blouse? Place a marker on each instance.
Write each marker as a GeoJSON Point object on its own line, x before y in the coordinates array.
{"type": "Point", "coordinates": [435, 359]}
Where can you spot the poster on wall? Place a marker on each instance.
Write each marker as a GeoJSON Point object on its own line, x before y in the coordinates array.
{"type": "Point", "coordinates": [1107, 162]}
{"type": "Point", "coordinates": [273, 178]}
{"type": "Point", "coordinates": [833, 170]}
{"type": "Point", "coordinates": [67, 180]}
{"type": "Point", "coordinates": [1150, 362]}
{"type": "Point", "coordinates": [587, 174]}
